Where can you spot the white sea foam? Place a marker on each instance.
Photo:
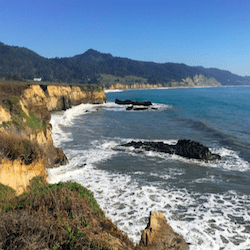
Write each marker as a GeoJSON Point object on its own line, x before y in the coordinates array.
{"type": "Point", "coordinates": [207, 221]}
{"type": "Point", "coordinates": [66, 118]}
{"type": "Point", "coordinates": [197, 217]}
{"type": "Point", "coordinates": [230, 160]}
{"type": "Point", "coordinates": [113, 90]}
{"type": "Point", "coordinates": [115, 107]}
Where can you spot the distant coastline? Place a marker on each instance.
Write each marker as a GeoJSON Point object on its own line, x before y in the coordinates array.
{"type": "Point", "coordinates": [181, 87]}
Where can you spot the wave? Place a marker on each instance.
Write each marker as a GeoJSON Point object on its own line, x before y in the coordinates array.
{"type": "Point", "coordinates": [111, 106]}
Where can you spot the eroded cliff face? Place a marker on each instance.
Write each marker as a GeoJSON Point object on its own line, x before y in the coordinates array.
{"type": "Point", "coordinates": [17, 175]}
{"type": "Point", "coordinates": [200, 81]}
{"type": "Point", "coordinates": [26, 145]}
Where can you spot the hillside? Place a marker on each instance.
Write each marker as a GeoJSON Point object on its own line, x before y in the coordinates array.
{"type": "Point", "coordinates": [104, 69]}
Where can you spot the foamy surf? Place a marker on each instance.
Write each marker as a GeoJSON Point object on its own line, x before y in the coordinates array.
{"type": "Point", "coordinates": [113, 90]}
{"type": "Point", "coordinates": [197, 217]}
{"type": "Point", "coordinates": [112, 106]}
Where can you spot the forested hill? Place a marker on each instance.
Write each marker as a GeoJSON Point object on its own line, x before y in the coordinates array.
{"type": "Point", "coordinates": [100, 68]}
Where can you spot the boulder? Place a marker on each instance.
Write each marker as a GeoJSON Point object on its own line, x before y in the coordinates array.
{"type": "Point", "coordinates": [158, 235]}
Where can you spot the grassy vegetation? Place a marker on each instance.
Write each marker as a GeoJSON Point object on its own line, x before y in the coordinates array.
{"type": "Point", "coordinates": [31, 121]}
{"type": "Point", "coordinates": [9, 97]}
{"type": "Point", "coordinates": [15, 147]}
{"type": "Point", "coordinates": [55, 216]}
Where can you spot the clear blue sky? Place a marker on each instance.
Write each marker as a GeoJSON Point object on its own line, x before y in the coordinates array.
{"type": "Point", "coordinates": [209, 33]}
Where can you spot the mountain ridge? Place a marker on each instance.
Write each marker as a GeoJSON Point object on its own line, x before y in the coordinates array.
{"type": "Point", "coordinates": [89, 67]}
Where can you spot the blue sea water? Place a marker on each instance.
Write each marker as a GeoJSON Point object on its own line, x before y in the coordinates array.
{"type": "Point", "coordinates": [206, 202]}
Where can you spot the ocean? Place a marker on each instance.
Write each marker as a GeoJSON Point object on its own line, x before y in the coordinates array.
{"type": "Point", "coordinates": [208, 203]}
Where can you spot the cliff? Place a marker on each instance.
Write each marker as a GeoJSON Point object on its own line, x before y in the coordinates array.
{"type": "Point", "coordinates": [189, 82]}
{"type": "Point", "coordinates": [26, 145]}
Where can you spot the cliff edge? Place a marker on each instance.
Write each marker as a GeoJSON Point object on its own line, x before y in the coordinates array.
{"type": "Point", "coordinates": [26, 145]}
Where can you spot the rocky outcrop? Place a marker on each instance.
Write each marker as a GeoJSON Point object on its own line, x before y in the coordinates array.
{"type": "Point", "coordinates": [186, 148]}
{"type": "Point", "coordinates": [158, 235]}
{"type": "Point", "coordinates": [25, 132]}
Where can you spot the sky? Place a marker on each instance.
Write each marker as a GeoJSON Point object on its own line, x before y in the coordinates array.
{"type": "Point", "coordinates": [208, 33]}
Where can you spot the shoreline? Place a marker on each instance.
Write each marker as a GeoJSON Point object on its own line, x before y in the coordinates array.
{"type": "Point", "coordinates": [195, 87]}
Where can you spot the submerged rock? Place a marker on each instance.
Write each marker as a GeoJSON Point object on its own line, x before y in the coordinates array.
{"type": "Point", "coordinates": [185, 148]}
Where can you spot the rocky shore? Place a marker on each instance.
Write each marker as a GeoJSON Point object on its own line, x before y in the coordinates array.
{"type": "Point", "coordinates": [37, 215]}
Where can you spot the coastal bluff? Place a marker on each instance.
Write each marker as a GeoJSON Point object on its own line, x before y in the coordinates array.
{"type": "Point", "coordinates": [37, 215]}
{"type": "Point", "coordinates": [26, 145]}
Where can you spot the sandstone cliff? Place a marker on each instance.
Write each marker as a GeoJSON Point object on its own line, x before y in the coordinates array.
{"type": "Point", "coordinates": [200, 81]}
{"type": "Point", "coordinates": [26, 145]}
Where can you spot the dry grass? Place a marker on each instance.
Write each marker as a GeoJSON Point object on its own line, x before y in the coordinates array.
{"type": "Point", "coordinates": [58, 216]}
{"type": "Point", "coordinates": [14, 147]}
{"type": "Point", "coordinates": [8, 89]}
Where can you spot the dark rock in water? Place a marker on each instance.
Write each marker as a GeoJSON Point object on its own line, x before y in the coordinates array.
{"type": "Point", "coordinates": [185, 148]}
{"type": "Point", "coordinates": [154, 108]}
{"type": "Point", "coordinates": [192, 149]}
{"type": "Point", "coordinates": [130, 108]}
{"type": "Point", "coordinates": [129, 102]}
